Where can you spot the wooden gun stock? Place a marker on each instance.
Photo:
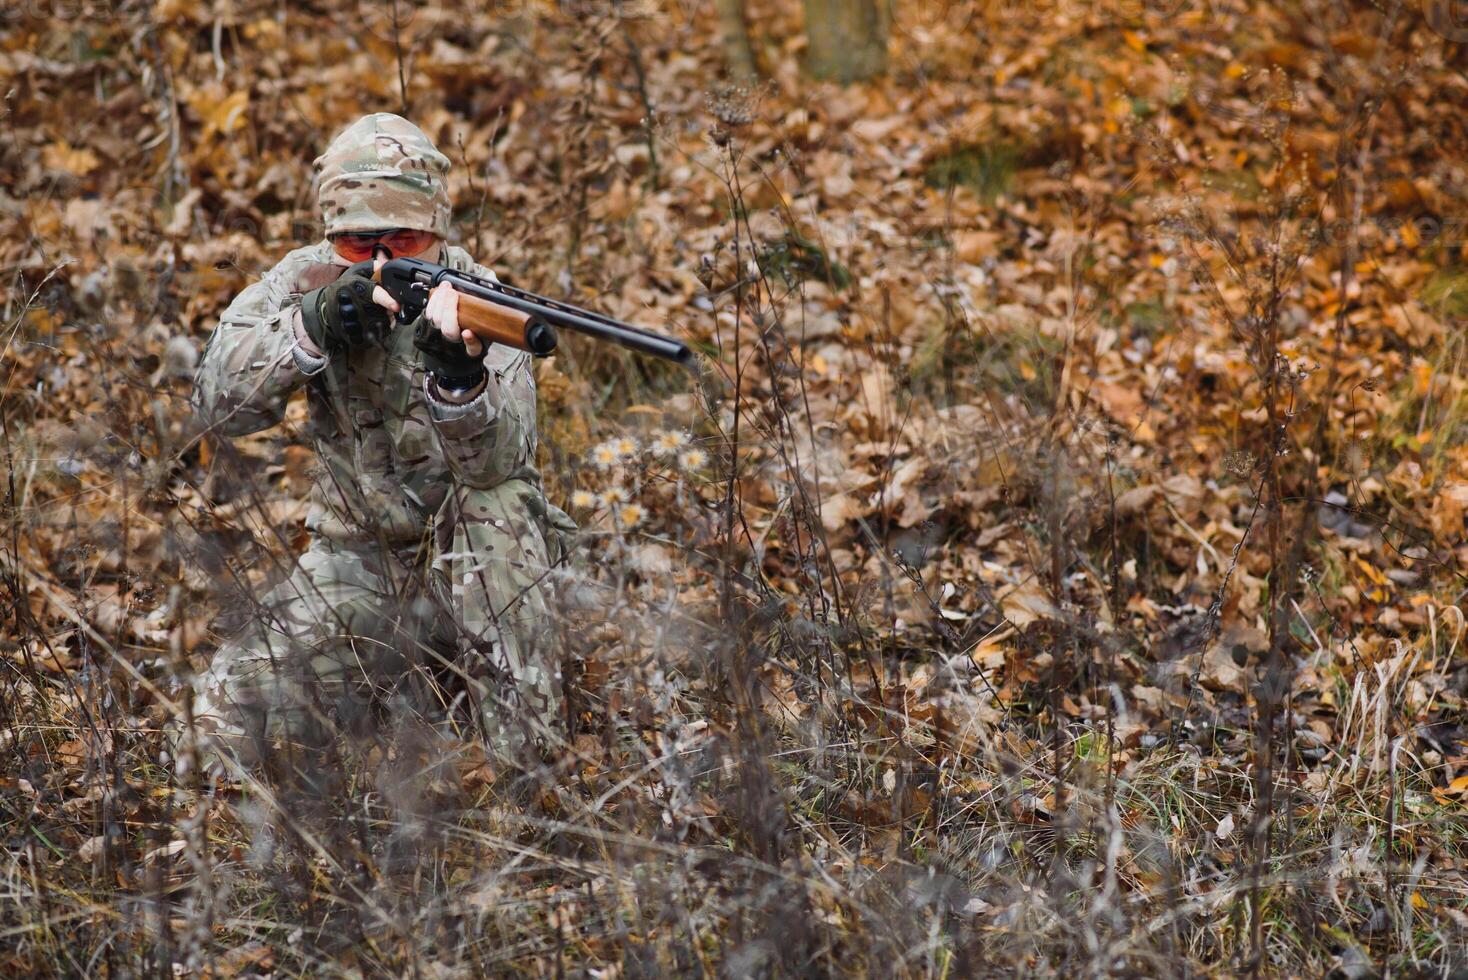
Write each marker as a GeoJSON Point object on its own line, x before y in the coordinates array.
{"type": "Point", "coordinates": [492, 323]}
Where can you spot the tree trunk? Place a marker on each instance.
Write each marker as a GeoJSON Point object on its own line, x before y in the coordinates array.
{"type": "Point", "coordinates": [847, 38]}
{"type": "Point", "coordinates": [737, 50]}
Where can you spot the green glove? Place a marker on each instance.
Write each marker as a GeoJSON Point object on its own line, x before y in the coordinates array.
{"type": "Point", "coordinates": [341, 314]}
{"type": "Point", "coordinates": [450, 363]}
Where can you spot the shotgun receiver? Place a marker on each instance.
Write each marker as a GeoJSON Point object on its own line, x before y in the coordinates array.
{"type": "Point", "coordinates": [503, 314]}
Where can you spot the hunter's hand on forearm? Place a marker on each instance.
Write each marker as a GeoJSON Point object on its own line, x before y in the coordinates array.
{"type": "Point", "coordinates": [443, 312]}
{"type": "Point", "coordinates": [452, 356]}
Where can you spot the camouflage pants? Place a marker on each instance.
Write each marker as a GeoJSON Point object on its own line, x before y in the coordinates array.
{"type": "Point", "coordinates": [338, 638]}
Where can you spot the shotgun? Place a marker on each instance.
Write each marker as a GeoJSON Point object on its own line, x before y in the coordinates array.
{"type": "Point", "coordinates": [495, 312]}
{"type": "Point", "coordinates": [503, 314]}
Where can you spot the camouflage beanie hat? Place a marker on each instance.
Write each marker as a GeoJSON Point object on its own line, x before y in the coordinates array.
{"type": "Point", "coordinates": [383, 172]}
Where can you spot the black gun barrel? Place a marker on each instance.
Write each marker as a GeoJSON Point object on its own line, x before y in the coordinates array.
{"type": "Point", "coordinates": [416, 277]}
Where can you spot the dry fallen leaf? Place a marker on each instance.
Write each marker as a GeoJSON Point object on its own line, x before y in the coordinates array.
{"type": "Point", "coordinates": [92, 847]}
{"type": "Point", "coordinates": [837, 509]}
{"type": "Point", "coordinates": [166, 851]}
{"type": "Point", "coordinates": [1028, 603]}
{"type": "Point", "coordinates": [1225, 828]}
{"type": "Point", "coordinates": [1455, 792]}
{"type": "Point", "coordinates": [77, 161]}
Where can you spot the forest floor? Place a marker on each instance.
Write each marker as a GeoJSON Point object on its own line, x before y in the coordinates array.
{"type": "Point", "coordinates": [1056, 563]}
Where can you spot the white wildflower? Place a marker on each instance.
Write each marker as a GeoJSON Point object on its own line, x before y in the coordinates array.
{"type": "Point", "coordinates": [669, 443]}
{"type": "Point", "coordinates": [605, 456]}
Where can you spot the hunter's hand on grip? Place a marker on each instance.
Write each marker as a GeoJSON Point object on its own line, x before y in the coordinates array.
{"type": "Point", "coordinates": [342, 314]}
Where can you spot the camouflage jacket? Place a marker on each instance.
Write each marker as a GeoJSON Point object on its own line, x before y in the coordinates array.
{"type": "Point", "coordinates": [389, 451]}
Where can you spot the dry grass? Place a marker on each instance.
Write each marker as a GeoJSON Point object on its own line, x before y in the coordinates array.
{"type": "Point", "coordinates": [1081, 676]}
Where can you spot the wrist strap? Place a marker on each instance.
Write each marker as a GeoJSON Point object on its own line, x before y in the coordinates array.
{"type": "Point", "coordinates": [459, 383]}
{"type": "Point", "coordinates": [311, 319]}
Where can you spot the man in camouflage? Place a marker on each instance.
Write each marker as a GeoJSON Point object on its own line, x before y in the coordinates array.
{"type": "Point", "coordinates": [430, 539]}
